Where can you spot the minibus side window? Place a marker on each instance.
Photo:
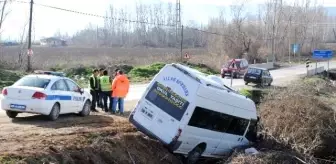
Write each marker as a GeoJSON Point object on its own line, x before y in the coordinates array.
{"type": "Point", "coordinates": [199, 118]}
{"type": "Point", "coordinates": [238, 126]}
{"type": "Point", "coordinates": [211, 120]}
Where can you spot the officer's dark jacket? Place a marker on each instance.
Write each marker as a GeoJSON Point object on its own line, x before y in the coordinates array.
{"type": "Point", "coordinates": [94, 83]}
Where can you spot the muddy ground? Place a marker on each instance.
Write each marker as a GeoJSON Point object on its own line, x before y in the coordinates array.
{"type": "Point", "coordinates": [98, 139]}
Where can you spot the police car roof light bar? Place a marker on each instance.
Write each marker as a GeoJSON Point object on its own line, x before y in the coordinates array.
{"type": "Point", "coordinates": [49, 73]}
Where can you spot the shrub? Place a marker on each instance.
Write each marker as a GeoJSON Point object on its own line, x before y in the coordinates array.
{"type": "Point", "coordinates": [253, 94]}
{"type": "Point", "coordinates": [81, 70]}
{"type": "Point", "coordinates": [7, 78]}
{"type": "Point", "coordinates": [202, 68]}
{"type": "Point", "coordinates": [146, 71]}
{"type": "Point", "coordinates": [246, 92]}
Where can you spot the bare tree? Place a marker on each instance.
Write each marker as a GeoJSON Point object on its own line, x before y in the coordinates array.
{"type": "Point", "coordinates": [4, 13]}
{"type": "Point", "coordinates": [22, 47]}
{"type": "Point", "coordinates": [271, 30]}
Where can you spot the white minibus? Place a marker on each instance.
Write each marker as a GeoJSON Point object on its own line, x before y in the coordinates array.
{"type": "Point", "coordinates": [194, 115]}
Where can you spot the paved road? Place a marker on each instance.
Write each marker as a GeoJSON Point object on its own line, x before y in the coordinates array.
{"type": "Point", "coordinates": [136, 91]}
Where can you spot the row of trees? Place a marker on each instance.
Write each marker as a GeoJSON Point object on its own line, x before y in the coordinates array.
{"type": "Point", "coordinates": [118, 32]}
{"type": "Point", "coordinates": [269, 31]}
{"type": "Point", "coordinates": [272, 30]}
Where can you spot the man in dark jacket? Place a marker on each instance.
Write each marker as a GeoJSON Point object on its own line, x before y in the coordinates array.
{"type": "Point", "coordinates": [94, 89]}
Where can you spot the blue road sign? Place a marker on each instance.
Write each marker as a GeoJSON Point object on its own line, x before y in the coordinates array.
{"type": "Point", "coordinates": [322, 54]}
{"type": "Point", "coordinates": [295, 48]}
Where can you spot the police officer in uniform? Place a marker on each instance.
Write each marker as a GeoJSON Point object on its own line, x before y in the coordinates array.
{"type": "Point", "coordinates": [106, 90]}
{"type": "Point", "coordinates": [94, 88]}
{"type": "Point", "coordinates": [100, 94]}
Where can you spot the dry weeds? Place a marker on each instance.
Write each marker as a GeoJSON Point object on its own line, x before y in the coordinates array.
{"type": "Point", "coordinates": [301, 118]}
{"type": "Point", "coordinates": [65, 57]}
{"type": "Point", "coordinates": [267, 157]}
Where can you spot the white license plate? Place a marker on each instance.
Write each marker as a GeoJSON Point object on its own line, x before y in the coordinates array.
{"type": "Point", "coordinates": [252, 77]}
{"type": "Point", "coordinates": [17, 106]}
{"type": "Point", "coordinates": [147, 113]}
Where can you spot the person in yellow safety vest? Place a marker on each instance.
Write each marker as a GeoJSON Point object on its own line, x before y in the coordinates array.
{"type": "Point", "coordinates": [94, 88]}
{"type": "Point", "coordinates": [106, 90]}
{"type": "Point", "coordinates": [100, 94]}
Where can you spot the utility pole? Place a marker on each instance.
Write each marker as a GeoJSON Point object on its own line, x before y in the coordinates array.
{"type": "Point", "coordinates": [29, 53]}
{"type": "Point", "coordinates": [178, 21]}
{"type": "Point", "coordinates": [273, 31]}
{"type": "Point", "coordinates": [181, 43]}
{"type": "Point", "coordinates": [334, 33]}
{"type": "Point", "coordinates": [97, 37]}
{"type": "Point", "coordinates": [295, 39]}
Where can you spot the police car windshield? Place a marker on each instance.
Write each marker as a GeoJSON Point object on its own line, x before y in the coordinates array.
{"type": "Point", "coordinates": [31, 81]}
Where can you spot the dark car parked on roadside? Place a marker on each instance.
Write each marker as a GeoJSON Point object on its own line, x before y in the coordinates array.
{"type": "Point", "coordinates": [259, 76]}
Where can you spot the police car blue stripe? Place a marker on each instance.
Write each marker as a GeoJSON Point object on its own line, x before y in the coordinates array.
{"type": "Point", "coordinates": [58, 97]}
{"type": "Point", "coordinates": [64, 98]}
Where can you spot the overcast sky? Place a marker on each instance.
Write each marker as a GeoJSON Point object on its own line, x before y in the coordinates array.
{"type": "Point", "coordinates": [47, 21]}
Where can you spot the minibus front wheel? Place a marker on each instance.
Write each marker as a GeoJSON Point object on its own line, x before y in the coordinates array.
{"type": "Point", "coordinates": [195, 154]}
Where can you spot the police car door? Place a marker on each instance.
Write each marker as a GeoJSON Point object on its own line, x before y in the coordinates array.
{"type": "Point", "coordinates": [77, 98]}
{"type": "Point", "coordinates": [60, 93]}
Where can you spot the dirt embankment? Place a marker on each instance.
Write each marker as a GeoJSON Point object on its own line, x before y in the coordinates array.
{"type": "Point", "coordinates": [96, 139]}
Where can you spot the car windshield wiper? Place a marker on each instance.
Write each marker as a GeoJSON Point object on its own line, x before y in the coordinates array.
{"type": "Point", "coordinates": [230, 88]}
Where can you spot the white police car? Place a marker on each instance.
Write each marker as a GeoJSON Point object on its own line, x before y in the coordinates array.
{"type": "Point", "coordinates": [47, 93]}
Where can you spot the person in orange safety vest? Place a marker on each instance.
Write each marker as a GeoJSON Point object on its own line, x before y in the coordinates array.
{"type": "Point", "coordinates": [120, 87]}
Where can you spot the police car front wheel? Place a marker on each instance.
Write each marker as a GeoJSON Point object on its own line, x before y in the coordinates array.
{"type": "Point", "coordinates": [86, 109]}
{"type": "Point", "coordinates": [54, 113]}
{"type": "Point", "coordinates": [11, 114]}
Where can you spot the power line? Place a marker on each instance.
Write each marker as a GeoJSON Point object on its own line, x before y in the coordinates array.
{"type": "Point", "coordinates": [150, 23]}
{"type": "Point", "coordinates": [99, 16]}
{"type": "Point", "coordinates": [208, 32]}
{"type": "Point", "coordinates": [178, 22]}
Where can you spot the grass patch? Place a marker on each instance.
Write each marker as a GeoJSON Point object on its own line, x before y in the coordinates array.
{"type": "Point", "coordinates": [145, 73]}
{"type": "Point", "coordinates": [203, 68]}
{"type": "Point", "coordinates": [253, 94]}
{"type": "Point", "coordinates": [246, 92]}
{"type": "Point", "coordinates": [81, 70]}
{"type": "Point", "coordinates": [9, 160]}
{"type": "Point", "coordinates": [7, 77]}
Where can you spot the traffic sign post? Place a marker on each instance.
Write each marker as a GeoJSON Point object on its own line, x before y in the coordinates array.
{"type": "Point", "coordinates": [328, 70]}
{"type": "Point", "coordinates": [231, 79]}
{"type": "Point", "coordinates": [295, 49]}
{"type": "Point", "coordinates": [307, 65]}
{"type": "Point", "coordinates": [186, 55]}
{"type": "Point", "coordinates": [30, 52]}
{"type": "Point", "coordinates": [322, 55]}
